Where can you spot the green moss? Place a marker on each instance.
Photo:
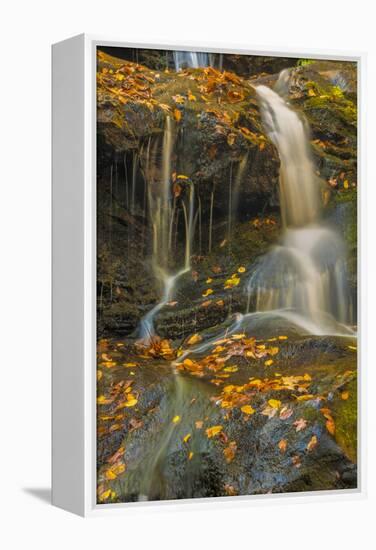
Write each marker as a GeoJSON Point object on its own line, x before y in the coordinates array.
{"type": "Point", "coordinates": [346, 419]}
{"type": "Point", "coordinates": [304, 62]}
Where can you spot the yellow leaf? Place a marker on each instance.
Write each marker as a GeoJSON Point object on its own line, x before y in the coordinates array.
{"type": "Point", "coordinates": [130, 365]}
{"type": "Point", "coordinates": [191, 97]}
{"type": "Point", "coordinates": [311, 92]}
{"type": "Point", "coordinates": [330, 426]}
{"type": "Point", "coordinates": [186, 438]}
{"type": "Point", "coordinates": [118, 469]}
{"type": "Point", "coordinates": [273, 351]}
{"type": "Point", "coordinates": [234, 368]}
{"type": "Point", "coordinates": [353, 348]}
{"type": "Point", "coordinates": [199, 424]}
{"type": "Point", "coordinates": [233, 281]}
{"type": "Point", "coordinates": [282, 445]}
{"type": "Point", "coordinates": [177, 115]}
{"type": "Point", "coordinates": [305, 397]}
{"type": "Point", "coordinates": [105, 495]}
{"type": "Point", "coordinates": [176, 419]}
{"type": "Point", "coordinates": [238, 336]}
{"type": "Point", "coordinates": [110, 475]}
{"type": "Point", "coordinates": [247, 409]}
{"type": "Point", "coordinates": [312, 443]}
{"type": "Point", "coordinates": [282, 337]}
{"type": "Point", "coordinates": [182, 177]}
{"type": "Point", "coordinates": [207, 292]}
{"type": "Point", "coordinates": [190, 456]}
{"type": "Point", "coordinates": [274, 403]}
{"type": "Point", "coordinates": [241, 269]}
{"type": "Point", "coordinates": [102, 400]}
{"type": "Point", "coordinates": [209, 280]}
{"type": "Point", "coordinates": [131, 400]}
{"type": "Point", "coordinates": [268, 362]}
{"type": "Point", "coordinates": [346, 184]}
{"type": "Point", "coordinates": [194, 339]}
{"type": "Point", "coordinates": [213, 431]}
{"type": "Point", "coordinates": [99, 374]}
{"type": "Point", "coordinates": [345, 395]}
{"type": "Point", "coordinates": [231, 138]}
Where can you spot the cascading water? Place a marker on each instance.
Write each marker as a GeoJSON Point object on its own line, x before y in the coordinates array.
{"type": "Point", "coordinates": [305, 276]}
{"type": "Point", "coordinates": [191, 59]}
{"type": "Point", "coordinates": [162, 208]}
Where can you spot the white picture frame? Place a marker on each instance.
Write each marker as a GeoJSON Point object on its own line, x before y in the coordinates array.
{"type": "Point", "coordinates": [74, 277]}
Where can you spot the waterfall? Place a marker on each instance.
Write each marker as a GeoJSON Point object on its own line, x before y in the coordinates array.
{"type": "Point", "coordinates": [162, 209]}
{"type": "Point", "coordinates": [191, 59]}
{"type": "Point", "coordinates": [305, 274]}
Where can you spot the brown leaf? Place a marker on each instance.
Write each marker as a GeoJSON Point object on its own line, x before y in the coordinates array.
{"type": "Point", "coordinates": [230, 451]}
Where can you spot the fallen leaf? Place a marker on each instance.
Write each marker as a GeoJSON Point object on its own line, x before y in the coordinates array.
{"type": "Point", "coordinates": [207, 292]}
{"type": "Point", "coordinates": [285, 413]}
{"type": "Point", "coordinates": [241, 269]}
{"type": "Point", "coordinates": [213, 431]}
{"type": "Point", "coordinates": [312, 443]}
{"type": "Point", "coordinates": [190, 455]}
{"type": "Point", "coordinates": [230, 490]}
{"type": "Point", "coordinates": [186, 438]}
{"type": "Point", "coordinates": [102, 400]}
{"type": "Point", "coordinates": [177, 115]}
{"type": "Point", "coordinates": [345, 395]}
{"type": "Point", "coordinates": [268, 362]}
{"type": "Point", "coordinates": [234, 368]}
{"type": "Point", "coordinates": [282, 445]}
{"type": "Point", "coordinates": [330, 426]}
{"type": "Point", "coordinates": [199, 424]}
{"type": "Point", "coordinates": [194, 339]}
{"type": "Point", "coordinates": [176, 419]}
{"type": "Point", "coordinates": [282, 337]}
{"type": "Point", "coordinates": [247, 409]}
{"type": "Point", "coordinates": [270, 412]}
{"type": "Point", "coordinates": [296, 461]}
{"type": "Point", "coordinates": [274, 403]}
{"type": "Point", "coordinates": [300, 424]}
{"type": "Point", "coordinates": [230, 451]}
{"type": "Point", "coordinates": [231, 139]}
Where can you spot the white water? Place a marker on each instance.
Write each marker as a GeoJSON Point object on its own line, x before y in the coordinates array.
{"type": "Point", "coordinates": [306, 272]}
{"type": "Point", "coordinates": [190, 59]}
{"type": "Point", "coordinates": [163, 210]}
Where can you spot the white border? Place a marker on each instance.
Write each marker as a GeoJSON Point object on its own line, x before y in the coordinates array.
{"type": "Point", "coordinates": [93, 509]}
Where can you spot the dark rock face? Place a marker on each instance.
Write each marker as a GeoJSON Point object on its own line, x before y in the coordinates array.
{"type": "Point", "coordinates": [218, 142]}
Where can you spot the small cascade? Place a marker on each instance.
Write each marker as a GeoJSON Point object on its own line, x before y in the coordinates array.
{"type": "Point", "coordinates": [163, 211]}
{"type": "Point", "coordinates": [306, 272]}
{"type": "Point", "coordinates": [234, 192]}
{"type": "Point", "coordinates": [183, 60]}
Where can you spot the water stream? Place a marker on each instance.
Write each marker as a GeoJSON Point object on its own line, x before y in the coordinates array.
{"type": "Point", "coordinates": [191, 59]}
{"type": "Point", "coordinates": [306, 272]}
{"type": "Point", "coordinates": [162, 211]}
